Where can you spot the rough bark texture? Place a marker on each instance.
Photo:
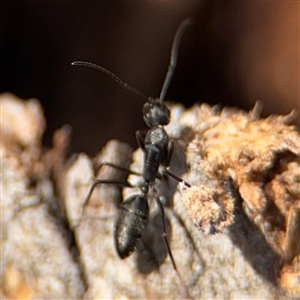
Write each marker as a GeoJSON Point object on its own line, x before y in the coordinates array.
{"type": "Point", "coordinates": [57, 246]}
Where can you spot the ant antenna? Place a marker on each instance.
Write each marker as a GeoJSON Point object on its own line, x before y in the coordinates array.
{"type": "Point", "coordinates": [110, 74]}
{"type": "Point", "coordinates": [174, 55]}
{"type": "Point", "coordinates": [171, 68]}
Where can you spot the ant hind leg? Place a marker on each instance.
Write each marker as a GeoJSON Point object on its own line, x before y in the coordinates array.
{"type": "Point", "coordinates": [164, 233]}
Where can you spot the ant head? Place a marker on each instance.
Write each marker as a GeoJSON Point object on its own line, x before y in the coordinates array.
{"type": "Point", "coordinates": [155, 112]}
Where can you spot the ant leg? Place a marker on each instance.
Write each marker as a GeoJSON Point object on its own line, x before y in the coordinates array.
{"type": "Point", "coordinates": [173, 59]}
{"type": "Point", "coordinates": [140, 138]}
{"type": "Point", "coordinates": [161, 207]}
{"type": "Point", "coordinates": [170, 151]}
{"type": "Point", "coordinates": [115, 182]}
{"type": "Point", "coordinates": [171, 174]}
{"type": "Point", "coordinates": [163, 217]}
{"type": "Point", "coordinates": [118, 168]}
{"type": "Point", "coordinates": [98, 181]}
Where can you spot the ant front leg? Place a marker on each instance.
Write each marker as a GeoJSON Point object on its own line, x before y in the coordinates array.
{"type": "Point", "coordinates": [170, 152]}
{"type": "Point", "coordinates": [140, 138]}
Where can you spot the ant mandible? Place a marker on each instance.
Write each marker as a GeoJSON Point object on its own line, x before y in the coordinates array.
{"type": "Point", "coordinates": [133, 213]}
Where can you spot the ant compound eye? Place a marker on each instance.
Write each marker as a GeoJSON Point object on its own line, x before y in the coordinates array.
{"type": "Point", "coordinates": [155, 112]}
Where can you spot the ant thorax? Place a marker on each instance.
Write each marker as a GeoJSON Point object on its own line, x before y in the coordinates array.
{"type": "Point", "coordinates": [180, 134]}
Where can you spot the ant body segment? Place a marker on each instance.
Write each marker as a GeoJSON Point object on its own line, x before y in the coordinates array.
{"type": "Point", "coordinates": [133, 213]}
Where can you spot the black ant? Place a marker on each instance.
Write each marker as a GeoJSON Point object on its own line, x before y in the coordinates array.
{"type": "Point", "coordinates": [133, 213]}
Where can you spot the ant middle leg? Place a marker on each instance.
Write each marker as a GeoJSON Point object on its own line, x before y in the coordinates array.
{"type": "Point", "coordinates": [120, 183]}
{"type": "Point", "coordinates": [179, 179]}
{"type": "Point", "coordinates": [126, 170]}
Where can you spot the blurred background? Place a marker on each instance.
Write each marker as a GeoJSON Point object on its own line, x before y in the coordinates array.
{"type": "Point", "coordinates": [234, 54]}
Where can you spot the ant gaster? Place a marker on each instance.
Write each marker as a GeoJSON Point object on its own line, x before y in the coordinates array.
{"type": "Point", "coordinates": [133, 213]}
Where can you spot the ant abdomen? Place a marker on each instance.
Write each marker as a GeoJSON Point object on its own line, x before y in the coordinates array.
{"type": "Point", "coordinates": [130, 223]}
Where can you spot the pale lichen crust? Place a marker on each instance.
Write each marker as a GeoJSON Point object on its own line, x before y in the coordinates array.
{"type": "Point", "coordinates": [210, 210]}
{"type": "Point", "coordinates": [262, 157]}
